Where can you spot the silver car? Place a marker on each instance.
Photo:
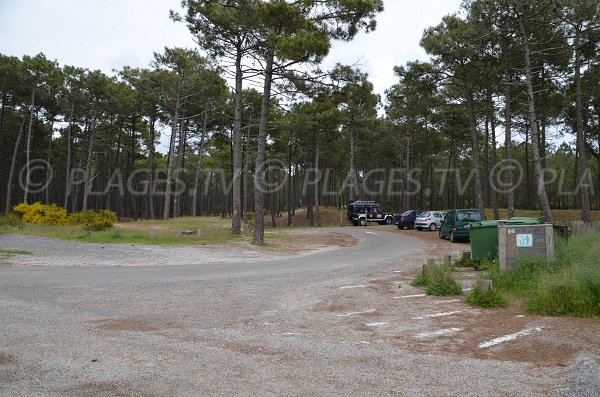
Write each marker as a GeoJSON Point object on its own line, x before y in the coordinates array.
{"type": "Point", "coordinates": [429, 220]}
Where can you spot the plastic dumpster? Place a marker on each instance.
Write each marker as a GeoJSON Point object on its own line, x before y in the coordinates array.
{"type": "Point", "coordinates": [484, 240]}
{"type": "Point", "coordinates": [484, 236]}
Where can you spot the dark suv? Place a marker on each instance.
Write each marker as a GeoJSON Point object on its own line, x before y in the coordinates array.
{"type": "Point", "coordinates": [361, 212]}
{"type": "Point", "coordinates": [407, 219]}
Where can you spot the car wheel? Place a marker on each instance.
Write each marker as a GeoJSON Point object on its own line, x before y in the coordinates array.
{"type": "Point", "coordinates": [362, 222]}
{"type": "Point", "coordinates": [442, 237]}
{"type": "Point", "coordinates": [400, 227]}
{"type": "Point", "coordinates": [452, 238]}
{"type": "Point", "coordinates": [388, 221]}
{"type": "Point", "coordinates": [411, 226]}
{"type": "Point", "coordinates": [432, 227]}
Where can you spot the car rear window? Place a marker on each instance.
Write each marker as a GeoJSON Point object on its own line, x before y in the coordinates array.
{"type": "Point", "coordinates": [424, 214]}
{"type": "Point", "coordinates": [468, 216]}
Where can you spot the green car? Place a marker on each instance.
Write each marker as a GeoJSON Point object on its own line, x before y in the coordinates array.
{"type": "Point", "coordinates": [455, 221]}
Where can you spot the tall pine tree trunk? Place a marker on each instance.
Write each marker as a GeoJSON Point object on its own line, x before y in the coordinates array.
{"type": "Point", "coordinates": [494, 192]}
{"type": "Point", "coordinates": [317, 191]}
{"type": "Point", "coordinates": [150, 167]}
{"type": "Point", "coordinates": [510, 194]}
{"type": "Point", "coordinates": [236, 220]}
{"type": "Point", "coordinates": [537, 161]}
{"type": "Point", "coordinates": [88, 164]}
{"type": "Point", "coordinates": [28, 150]}
{"type": "Point", "coordinates": [476, 151]}
{"type": "Point", "coordinates": [584, 171]}
{"type": "Point", "coordinates": [49, 158]}
{"type": "Point", "coordinates": [13, 164]}
{"type": "Point", "coordinates": [199, 165]}
{"type": "Point", "coordinates": [259, 183]}
{"type": "Point", "coordinates": [174, 124]}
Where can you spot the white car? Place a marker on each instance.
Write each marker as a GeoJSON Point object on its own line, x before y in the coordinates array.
{"type": "Point", "coordinates": [429, 220]}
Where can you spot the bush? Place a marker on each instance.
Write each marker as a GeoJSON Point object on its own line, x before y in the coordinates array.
{"type": "Point", "coordinates": [91, 220]}
{"type": "Point", "coordinates": [10, 220]}
{"type": "Point", "coordinates": [486, 299]}
{"type": "Point", "coordinates": [41, 214]}
{"type": "Point", "coordinates": [568, 285]}
{"type": "Point", "coordinates": [438, 281]}
{"type": "Point", "coordinates": [464, 261]}
{"type": "Point", "coordinates": [442, 283]}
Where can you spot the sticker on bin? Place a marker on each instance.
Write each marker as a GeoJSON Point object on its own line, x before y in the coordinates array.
{"type": "Point", "coordinates": [524, 240]}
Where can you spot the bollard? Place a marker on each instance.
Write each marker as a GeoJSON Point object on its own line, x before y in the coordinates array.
{"type": "Point", "coordinates": [178, 233]}
{"type": "Point", "coordinates": [199, 233]}
{"type": "Point", "coordinates": [447, 260]}
{"type": "Point", "coordinates": [485, 285]}
{"type": "Point", "coordinates": [152, 233]}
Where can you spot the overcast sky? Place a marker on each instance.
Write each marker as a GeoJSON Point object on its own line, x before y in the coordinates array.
{"type": "Point", "coordinates": [110, 34]}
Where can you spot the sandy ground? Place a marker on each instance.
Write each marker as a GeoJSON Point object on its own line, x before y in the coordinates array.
{"type": "Point", "coordinates": [334, 322]}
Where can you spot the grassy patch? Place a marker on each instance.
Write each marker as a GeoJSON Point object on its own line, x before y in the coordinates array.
{"type": "Point", "coordinates": [464, 261]}
{"type": "Point", "coordinates": [214, 231]}
{"type": "Point", "coordinates": [6, 254]}
{"type": "Point", "coordinates": [489, 299]}
{"type": "Point", "coordinates": [569, 285]}
{"type": "Point", "coordinates": [437, 280]}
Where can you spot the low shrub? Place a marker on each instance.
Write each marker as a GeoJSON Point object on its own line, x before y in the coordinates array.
{"type": "Point", "coordinates": [486, 299]}
{"type": "Point", "coordinates": [442, 283]}
{"type": "Point", "coordinates": [567, 285]}
{"type": "Point", "coordinates": [464, 261]}
{"type": "Point", "coordinates": [10, 220]}
{"type": "Point", "coordinates": [91, 220]}
{"type": "Point", "coordinates": [438, 281]}
{"type": "Point", "coordinates": [41, 214]}
{"type": "Point", "coordinates": [422, 279]}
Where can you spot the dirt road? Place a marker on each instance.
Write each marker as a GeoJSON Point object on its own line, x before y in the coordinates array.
{"type": "Point", "coordinates": [201, 321]}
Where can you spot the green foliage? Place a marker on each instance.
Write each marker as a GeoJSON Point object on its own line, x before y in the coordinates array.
{"type": "Point", "coordinates": [41, 214]}
{"type": "Point", "coordinates": [464, 261]}
{"type": "Point", "coordinates": [442, 283]}
{"type": "Point", "coordinates": [438, 281]}
{"type": "Point", "coordinates": [421, 280]}
{"type": "Point", "coordinates": [569, 285]}
{"type": "Point", "coordinates": [10, 220]}
{"type": "Point", "coordinates": [489, 299]}
{"type": "Point", "coordinates": [94, 221]}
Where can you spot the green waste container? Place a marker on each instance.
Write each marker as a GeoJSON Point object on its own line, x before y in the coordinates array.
{"type": "Point", "coordinates": [484, 236]}
{"type": "Point", "coordinates": [525, 220]}
{"type": "Point", "coordinates": [484, 240]}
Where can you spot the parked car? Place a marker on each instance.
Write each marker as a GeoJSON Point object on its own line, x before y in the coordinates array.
{"type": "Point", "coordinates": [361, 212]}
{"type": "Point", "coordinates": [455, 221]}
{"type": "Point", "coordinates": [429, 220]}
{"type": "Point", "coordinates": [407, 219]}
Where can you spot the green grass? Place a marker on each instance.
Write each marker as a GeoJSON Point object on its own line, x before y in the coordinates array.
{"type": "Point", "coordinates": [438, 281]}
{"type": "Point", "coordinates": [215, 231]}
{"type": "Point", "coordinates": [5, 254]}
{"type": "Point", "coordinates": [568, 285]}
{"type": "Point", "coordinates": [486, 299]}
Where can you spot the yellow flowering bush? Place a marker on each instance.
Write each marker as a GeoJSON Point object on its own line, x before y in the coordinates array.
{"type": "Point", "coordinates": [91, 220]}
{"type": "Point", "coordinates": [41, 214]}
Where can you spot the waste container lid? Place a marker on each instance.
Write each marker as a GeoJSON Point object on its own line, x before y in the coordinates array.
{"type": "Point", "coordinates": [525, 220]}
{"type": "Point", "coordinates": [482, 224]}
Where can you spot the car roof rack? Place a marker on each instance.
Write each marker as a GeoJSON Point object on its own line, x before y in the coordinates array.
{"type": "Point", "coordinates": [362, 202]}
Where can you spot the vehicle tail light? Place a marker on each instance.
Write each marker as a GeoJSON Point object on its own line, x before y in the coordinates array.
{"type": "Point", "coordinates": [402, 218]}
{"type": "Point", "coordinates": [428, 219]}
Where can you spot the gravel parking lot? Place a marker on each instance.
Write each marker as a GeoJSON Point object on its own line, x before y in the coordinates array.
{"type": "Point", "coordinates": [88, 320]}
